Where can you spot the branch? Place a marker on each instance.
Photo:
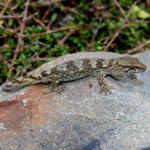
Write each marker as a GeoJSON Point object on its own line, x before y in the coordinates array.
{"type": "Point", "coordinates": [20, 37]}
{"type": "Point", "coordinates": [121, 10]}
{"type": "Point", "coordinates": [5, 7]}
{"type": "Point", "coordinates": [116, 34]}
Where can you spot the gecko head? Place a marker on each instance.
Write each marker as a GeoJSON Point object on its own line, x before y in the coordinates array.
{"type": "Point", "coordinates": [14, 84]}
{"type": "Point", "coordinates": [11, 86]}
{"type": "Point", "coordinates": [130, 64]}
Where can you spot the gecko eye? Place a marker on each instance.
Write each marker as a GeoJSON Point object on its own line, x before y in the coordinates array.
{"type": "Point", "coordinates": [44, 74]}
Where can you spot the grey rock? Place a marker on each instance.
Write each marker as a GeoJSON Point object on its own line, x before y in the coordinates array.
{"type": "Point", "coordinates": [80, 118]}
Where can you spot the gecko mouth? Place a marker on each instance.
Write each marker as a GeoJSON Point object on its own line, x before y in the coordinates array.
{"type": "Point", "coordinates": [140, 69]}
{"type": "Point", "coordinates": [137, 70]}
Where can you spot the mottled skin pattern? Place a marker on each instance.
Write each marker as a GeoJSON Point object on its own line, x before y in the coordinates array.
{"type": "Point", "coordinates": [76, 69]}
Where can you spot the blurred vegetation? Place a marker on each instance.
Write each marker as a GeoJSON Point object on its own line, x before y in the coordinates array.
{"type": "Point", "coordinates": [33, 32]}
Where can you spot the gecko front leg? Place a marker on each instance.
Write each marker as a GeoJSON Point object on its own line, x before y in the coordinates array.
{"type": "Point", "coordinates": [105, 87]}
{"type": "Point", "coordinates": [56, 85]}
{"type": "Point", "coordinates": [54, 81]}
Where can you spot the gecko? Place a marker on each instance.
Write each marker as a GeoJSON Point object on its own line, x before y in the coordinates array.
{"type": "Point", "coordinates": [80, 68]}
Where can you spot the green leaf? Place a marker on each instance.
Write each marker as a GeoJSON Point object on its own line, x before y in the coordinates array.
{"type": "Point", "coordinates": [1, 22]}
{"type": "Point", "coordinates": [137, 11]}
{"type": "Point", "coordinates": [53, 17]}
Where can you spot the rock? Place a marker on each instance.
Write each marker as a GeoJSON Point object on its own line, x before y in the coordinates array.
{"type": "Point", "coordinates": [80, 118]}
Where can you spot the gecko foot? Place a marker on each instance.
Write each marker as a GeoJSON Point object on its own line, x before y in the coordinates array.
{"type": "Point", "coordinates": [106, 90]}
{"type": "Point", "coordinates": [58, 89]}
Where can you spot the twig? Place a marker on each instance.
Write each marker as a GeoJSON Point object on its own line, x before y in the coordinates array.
{"type": "Point", "coordinates": [39, 22]}
{"type": "Point", "coordinates": [16, 16]}
{"type": "Point", "coordinates": [13, 31]}
{"type": "Point", "coordinates": [55, 30]}
{"type": "Point", "coordinates": [95, 32]}
{"type": "Point", "coordinates": [139, 48]}
{"type": "Point", "coordinates": [115, 35]}
{"type": "Point", "coordinates": [148, 4]}
{"type": "Point", "coordinates": [106, 40]}
{"type": "Point", "coordinates": [36, 4]}
{"type": "Point", "coordinates": [62, 41]}
{"type": "Point", "coordinates": [10, 16]}
{"type": "Point", "coordinates": [31, 16]}
{"type": "Point", "coordinates": [45, 14]}
{"type": "Point", "coordinates": [35, 43]}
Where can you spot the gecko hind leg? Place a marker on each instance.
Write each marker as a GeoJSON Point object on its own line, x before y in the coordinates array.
{"type": "Point", "coordinates": [55, 86]}
{"type": "Point", "coordinates": [54, 81]}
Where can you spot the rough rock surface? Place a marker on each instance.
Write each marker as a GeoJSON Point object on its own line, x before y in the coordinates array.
{"type": "Point", "coordinates": [80, 118]}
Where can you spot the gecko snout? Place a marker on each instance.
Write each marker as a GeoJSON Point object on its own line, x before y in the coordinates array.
{"type": "Point", "coordinates": [139, 68]}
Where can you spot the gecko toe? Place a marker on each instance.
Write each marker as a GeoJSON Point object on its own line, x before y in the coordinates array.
{"type": "Point", "coordinates": [106, 90]}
